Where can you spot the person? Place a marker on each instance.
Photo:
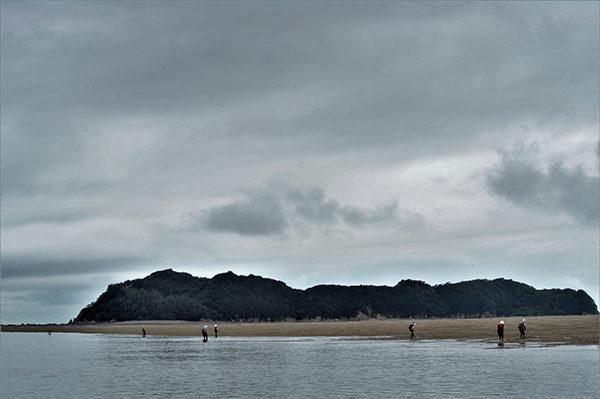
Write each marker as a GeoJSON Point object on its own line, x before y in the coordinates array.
{"type": "Point", "coordinates": [522, 328]}
{"type": "Point", "coordinates": [501, 330]}
{"type": "Point", "coordinates": [411, 328]}
{"type": "Point", "coordinates": [143, 331]}
{"type": "Point", "coordinates": [205, 333]}
{"type": "Point", "coordinates": [216, 330]}
{"type": "Point", "coordinates": [49, 331]}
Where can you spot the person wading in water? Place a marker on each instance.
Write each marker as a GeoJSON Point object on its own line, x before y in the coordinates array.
{"type": "Point", "coordinates": [205, 333]}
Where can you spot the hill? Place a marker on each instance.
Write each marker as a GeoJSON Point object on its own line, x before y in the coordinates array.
{"type": "Point", "coordinates": [170, 295]}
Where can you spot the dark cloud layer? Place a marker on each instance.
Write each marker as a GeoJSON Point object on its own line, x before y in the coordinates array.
{"type": "Point", "coordinates": [48, 296]}
{"type": "Point", "coordinates": [256, 216]}
{"type": "Point", "coordinates": [558, 189]}
{"type": "Point", "coordinates": [43, 266]}
{"type": "Point", "coordinates": [120, 117]}
{"type": "Point", "coordinates": [264, 213]}
{"type": "Point", "coordinates": [379, 74]}
{"type": "Point", "coordinates": [312, 207]}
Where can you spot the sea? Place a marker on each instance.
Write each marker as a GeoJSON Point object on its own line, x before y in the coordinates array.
{"type": "Point", "coordinates": [66, 365]}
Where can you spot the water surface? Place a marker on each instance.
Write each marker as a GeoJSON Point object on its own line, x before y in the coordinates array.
{"type": "Point", "coordinates": [99, 366]}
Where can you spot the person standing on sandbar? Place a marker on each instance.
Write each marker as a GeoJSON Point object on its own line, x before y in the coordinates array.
{"type": "Point", "coordinates": [522, 328]}
{"type": "Point", "coordinates": [500, 330]}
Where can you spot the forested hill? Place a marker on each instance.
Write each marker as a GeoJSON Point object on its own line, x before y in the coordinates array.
{"type": "Point", "coordinates": [170, 295]}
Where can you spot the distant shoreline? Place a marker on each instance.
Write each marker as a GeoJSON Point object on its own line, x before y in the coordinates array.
{"type": "Point", "coordinates": [572, 330]}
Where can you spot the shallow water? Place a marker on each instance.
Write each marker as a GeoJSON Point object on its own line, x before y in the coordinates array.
{"type": "Point", "coordinates": [100, 366]}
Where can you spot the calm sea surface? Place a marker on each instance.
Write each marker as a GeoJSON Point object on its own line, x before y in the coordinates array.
{"type": "Point", "coordinates": [119, 366]}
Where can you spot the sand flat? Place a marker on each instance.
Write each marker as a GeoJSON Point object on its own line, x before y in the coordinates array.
{"type": "Point", "coordinates": [575, 330]}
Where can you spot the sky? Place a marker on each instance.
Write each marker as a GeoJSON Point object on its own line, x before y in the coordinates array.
{"type": "Point", "coordinates": [309, 142]}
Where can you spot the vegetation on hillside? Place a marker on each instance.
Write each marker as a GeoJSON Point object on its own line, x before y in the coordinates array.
{"type": "Point", "coordinates": [170, 295]}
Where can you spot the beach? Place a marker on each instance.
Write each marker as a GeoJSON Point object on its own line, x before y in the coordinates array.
{"type": "Point", "coordinates": [572, 330]}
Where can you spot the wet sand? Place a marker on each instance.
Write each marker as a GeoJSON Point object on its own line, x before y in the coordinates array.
{"type": "Point", "coordinates": [572, 330]}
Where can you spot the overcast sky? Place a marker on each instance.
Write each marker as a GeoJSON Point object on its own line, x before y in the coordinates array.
{"type": "Point", "coordinates": [309, 142]}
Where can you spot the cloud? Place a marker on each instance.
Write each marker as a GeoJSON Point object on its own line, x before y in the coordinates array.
{"type": "Point", "coordinates": [522, 181]}
{"type": "Point", "coordinates": [15, 266]}
{"type": "Point", "coordinates": [120, 117]}
{"type": "Point", "coordinates": [258, 215]}
{"type": "Point", "coordinates": [312, 207]}
{"type": "Point", "coordinates": [272, 213]}
{"type": "Point", "coordinates": [49, 295]}
{"type": "Point", "coordinates": [420, 76]}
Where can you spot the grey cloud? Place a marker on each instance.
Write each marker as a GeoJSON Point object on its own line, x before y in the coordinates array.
{"type": "Point", "coordinates": [54, 296]}
{"type": "Point", "coordinates": [559, 189]}
{"type": "Point", "coordinates": [261, 215]}
{"type": "Point", "coordinates": [126, 111]}
{"type": "Point", "coordinates": [63, 216]}
{"type": "Point", "coordinates": [64, 203]}
{"type": "Point", "coordinates": [415, 78]}
{"type": "Point", "coordinates": [15, 266]}
{"type": "Point", "coordinates": [430, 80]}
{"type": "Point", "coordinates": [386, 73]}
{"type": "Point", "coordinates": [273, 213]}
{"type": "Point", "coordinates": [41, 299]}
{"type": "Point", "coordinates": [359, 217]}
{"type": "Point", "coordinates": [575, 192]}
{"type": "Point", "coordinates": [210, 51]}
{"type": "Point", "coordinates": [312, 206]}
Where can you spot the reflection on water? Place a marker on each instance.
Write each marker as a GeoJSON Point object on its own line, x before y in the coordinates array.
{"type": "Point", "coordinates": [78, 365]}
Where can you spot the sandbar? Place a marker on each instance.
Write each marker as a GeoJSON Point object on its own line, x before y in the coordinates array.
{"type": "Point", "coordinates": [559, 330]}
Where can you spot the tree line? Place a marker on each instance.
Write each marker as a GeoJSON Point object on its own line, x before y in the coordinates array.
{"type": "Point", "coordinates": [170, 295]}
